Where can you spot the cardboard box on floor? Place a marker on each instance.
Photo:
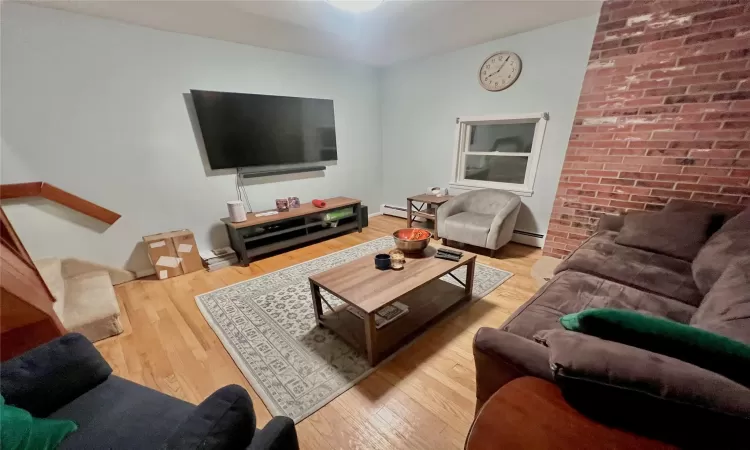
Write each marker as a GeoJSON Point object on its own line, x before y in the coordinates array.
{"type": "Point", "coordinates": [173, 253]}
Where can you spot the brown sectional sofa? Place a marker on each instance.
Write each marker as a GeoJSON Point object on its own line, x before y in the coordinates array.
{"type": "Point", "coordinates": [631, 387]}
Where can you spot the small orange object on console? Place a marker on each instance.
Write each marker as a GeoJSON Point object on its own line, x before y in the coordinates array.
{"type": "Point", "coordinates": [319, 203]}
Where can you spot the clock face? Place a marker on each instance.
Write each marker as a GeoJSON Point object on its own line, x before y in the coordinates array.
{"type": "Point", "coordinates": [500, 71]}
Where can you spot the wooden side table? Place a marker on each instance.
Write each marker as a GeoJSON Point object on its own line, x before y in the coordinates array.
{"type": "Point", "coordinates": [425, 201]}
{"type": "Point", "coordinates": [531, 413]}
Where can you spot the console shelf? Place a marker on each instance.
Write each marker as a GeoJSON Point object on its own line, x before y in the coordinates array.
{"type": "Point", "coordinates": [260, 235]}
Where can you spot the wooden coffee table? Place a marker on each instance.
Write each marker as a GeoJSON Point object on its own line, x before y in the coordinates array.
{"type": "Point", "coordinates": [417, 285]}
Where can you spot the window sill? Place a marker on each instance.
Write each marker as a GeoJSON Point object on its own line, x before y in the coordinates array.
{"type": "Point", "coordinates": [471, 187]}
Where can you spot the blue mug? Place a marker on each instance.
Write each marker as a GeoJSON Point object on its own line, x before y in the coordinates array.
{"type": "Point", "coordinates": [383, 261]}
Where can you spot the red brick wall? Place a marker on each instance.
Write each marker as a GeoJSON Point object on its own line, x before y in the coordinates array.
{"type": "Point", "coordinates": [664, 113]}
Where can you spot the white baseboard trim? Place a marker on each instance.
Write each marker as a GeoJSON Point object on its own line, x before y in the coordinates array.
{"type": "Point", "coordinates": [375, 214]}
{"type": "Point", "coordinates": [522, 237]}
{"type": "Point", "coordinates": [525, 239]}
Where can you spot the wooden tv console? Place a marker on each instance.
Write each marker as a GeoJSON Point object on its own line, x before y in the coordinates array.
{"type": "Point", "coordinates": [260, 235]}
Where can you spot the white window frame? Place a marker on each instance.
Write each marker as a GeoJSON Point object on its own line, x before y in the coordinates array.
{"type": "Point", "coordinates": [460, 151]}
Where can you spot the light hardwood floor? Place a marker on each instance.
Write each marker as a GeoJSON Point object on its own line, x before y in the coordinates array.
{"type": "Point", "coordinates": [421, 399]}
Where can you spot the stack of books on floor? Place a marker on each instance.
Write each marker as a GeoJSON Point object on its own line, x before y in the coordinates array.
{"type": "Point", "coordinates": [219, 258]}
{"type": "Point", "coordinates": [445, 253]}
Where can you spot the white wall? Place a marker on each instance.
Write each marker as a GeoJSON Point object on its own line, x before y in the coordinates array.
{"type": "Point", "coordinates": [97, 108]}
{"type": "Point", "coordinates": [421, 100]}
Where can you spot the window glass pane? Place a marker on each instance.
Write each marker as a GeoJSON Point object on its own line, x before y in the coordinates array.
{"type": "Point", "coordinates": [503, 169]}
{"type": "Point", "coordinates": [510, 137]}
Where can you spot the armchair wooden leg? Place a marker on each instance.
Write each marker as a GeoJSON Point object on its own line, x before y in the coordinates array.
{"type": "Point", "coordinates": [445, 241]}
{"type": "Point", "coordinates": [492, 253]}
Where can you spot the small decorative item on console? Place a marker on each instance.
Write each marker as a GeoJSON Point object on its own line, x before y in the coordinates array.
{"type": "Point", "coordinates": [319, 203]}
{"type": "Point", "coordinates": [282, 205]}
{"type": "Point", "coordinates": [293, 202]}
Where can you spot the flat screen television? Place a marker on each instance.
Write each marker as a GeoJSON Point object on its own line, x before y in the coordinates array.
{"type": "Point", "coordinates": [250, 130]}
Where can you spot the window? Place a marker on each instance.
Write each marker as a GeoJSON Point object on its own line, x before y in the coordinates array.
{"type": "Point", "coordinates": [498, 151]}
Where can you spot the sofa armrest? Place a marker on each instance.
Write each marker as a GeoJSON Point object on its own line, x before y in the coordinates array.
{"type": "Point", "coordinates": [501, 357]}
{"type": "Point", "coordinates": [278, 434]}
{"type": "Point", "coordinates": [636, 389]}
{"type": "Point", "coordinates": [224, 420]}
{"type": "Point", "coordinates": [47, 377]}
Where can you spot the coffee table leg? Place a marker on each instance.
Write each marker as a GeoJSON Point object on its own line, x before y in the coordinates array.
{"type": "Point", "coordinates": [370, 339]}
{"type": "Point", "coordinates": [317, 305]}
{"type": "Point", "coordinates": [470, 277]}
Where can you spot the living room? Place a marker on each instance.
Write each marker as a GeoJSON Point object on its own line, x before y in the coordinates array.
{"type": "Point", "coordinates": [512, 131]}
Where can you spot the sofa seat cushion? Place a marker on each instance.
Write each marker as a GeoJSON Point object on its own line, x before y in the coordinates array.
{"type": "Point", "coordinates": [469, 228]}
{"type": "Point", "coordinates": [119, 414]}
{"type": "Point", "coordinates": [731, 241]}
{"type": "Point", "coordinates": [641, 269]}
{"type": "Point", "coordinates": [726, 308]}
{"type": "Point", "coordinates": [570, 291]}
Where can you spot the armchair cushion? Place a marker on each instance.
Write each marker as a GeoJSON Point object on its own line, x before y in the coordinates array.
{"type": "Point", "coordinates": [469, 228]}
{"type": "Point", "coordinates": [47, 377]}
{"type": "Point", "coordinates": [121, 415]}
{"type": "Point", "coordinates": [484, 217]}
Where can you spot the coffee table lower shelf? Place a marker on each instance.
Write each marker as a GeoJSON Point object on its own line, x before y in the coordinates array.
{"type": "Point", "coordinates": [427, 305]}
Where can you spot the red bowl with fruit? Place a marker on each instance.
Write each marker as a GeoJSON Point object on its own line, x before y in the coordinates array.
{"type": "Point", "coordinates": [412, 240]}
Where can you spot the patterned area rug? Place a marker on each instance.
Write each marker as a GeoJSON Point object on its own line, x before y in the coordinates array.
{"type": "Point", "coordinates": [267, 325]}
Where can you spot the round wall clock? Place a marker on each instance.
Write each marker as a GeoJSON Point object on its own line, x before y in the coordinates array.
{"type": "Point", "coordinates": [500, 71]}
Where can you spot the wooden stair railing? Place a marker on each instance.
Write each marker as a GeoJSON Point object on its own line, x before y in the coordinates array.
{"type": "Point", "coordinates": [27, 318]}
{"type": "Point", "coordinates": [55, 194]}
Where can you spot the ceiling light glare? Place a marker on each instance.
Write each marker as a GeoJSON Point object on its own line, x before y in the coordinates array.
{"type": "Point", "coordinates": [355, 6]}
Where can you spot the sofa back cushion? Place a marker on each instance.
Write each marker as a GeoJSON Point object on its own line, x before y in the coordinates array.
{"type": "Point", "coordinates": [726, 308]}
{"type": "Point", "coordinates": [718, 215]}
{"type": "Point", "coordinates": [640, 269]}
{"type": "Point", "coordinates": [732, 240]}
{"type": "Point", "coordinates": [677, 234]}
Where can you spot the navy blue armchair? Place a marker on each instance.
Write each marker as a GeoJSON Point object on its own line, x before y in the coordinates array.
{"type": "Point", "coordinates": [68, 379]}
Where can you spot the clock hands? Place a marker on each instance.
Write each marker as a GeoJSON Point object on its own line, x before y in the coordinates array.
{"type": "Point", "coordinates": [498, 70]}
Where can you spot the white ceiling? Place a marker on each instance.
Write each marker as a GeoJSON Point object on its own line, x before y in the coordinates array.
{"type": "Point", "coordinates": [396, 31]}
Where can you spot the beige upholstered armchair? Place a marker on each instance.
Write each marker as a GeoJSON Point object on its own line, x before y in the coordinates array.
{"type": "Point", "coordinates": [484, 218]}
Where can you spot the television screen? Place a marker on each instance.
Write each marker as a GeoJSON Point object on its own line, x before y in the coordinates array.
{"type": "Point", "coordinates": [245, 130]}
